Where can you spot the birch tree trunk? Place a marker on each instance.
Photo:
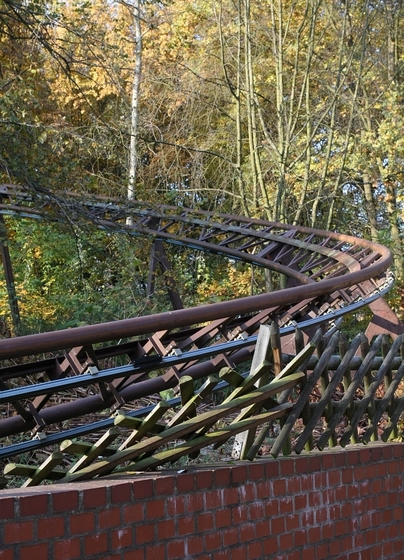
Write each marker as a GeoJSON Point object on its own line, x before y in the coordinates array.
{"type": "Point", "coordinates": [134, 114]}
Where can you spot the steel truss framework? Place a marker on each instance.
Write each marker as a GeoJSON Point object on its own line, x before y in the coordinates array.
{"type": "Point", "coordinates": [325, 275]}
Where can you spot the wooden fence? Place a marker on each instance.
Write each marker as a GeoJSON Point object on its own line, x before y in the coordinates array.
{"type": "Point", "coordinates": [329, 393]}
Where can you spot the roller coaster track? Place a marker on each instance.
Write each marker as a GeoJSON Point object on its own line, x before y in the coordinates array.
{"type": "Point", "coordinates": [319, 277]}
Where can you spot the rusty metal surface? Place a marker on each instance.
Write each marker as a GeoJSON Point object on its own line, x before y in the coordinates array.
{"type": "Point", "coordinates": [328, 274]}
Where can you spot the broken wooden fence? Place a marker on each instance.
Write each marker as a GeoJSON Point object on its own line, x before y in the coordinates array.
{"type": "Point", "coordinates": [330, 393]}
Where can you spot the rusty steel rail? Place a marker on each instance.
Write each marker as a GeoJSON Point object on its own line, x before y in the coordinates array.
{"type": "Point", "coordinates": [327, 275]}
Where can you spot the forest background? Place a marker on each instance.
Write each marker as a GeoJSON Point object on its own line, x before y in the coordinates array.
{"type": "Point", "coordinates": [286, 110]}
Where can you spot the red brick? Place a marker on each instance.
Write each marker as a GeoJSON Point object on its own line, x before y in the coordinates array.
{"type": "Point", "coordinates": [186, 525]}
{"type": "Point", "coordinates": [175, 549]}
{"type": "Point", "coordinates": [262, 528]}
{"type": "Point", "coordinates": [255, 551]}
{"type": "Point", "coordinates": [7, 508]}
{"type": "Point", "coordinates": [307, 518]}
{"type": "Point", "coordinates": [194, 546]}
{"type": "Point", "coordinates": [239, 474]}
{"type": "Point", "coordinates": [334, 547]}
{"type": "Point", "coordinates": [341, 493]}
{"type": "Point", "coordinates": [328, 461]}
{"type": "Point", "coordinates": [223, 518]}
{"type": "Point", "coordinates": [314, 535]}
{"type": "Point", "coordinates": [279, 487]}
{"type": "Point", "coordinates": [18, 532]}
{"type": "Point", "coordinates": [185, 483]}
{"type": "Point", "coordinates": [121, 493]}
{"type": "Point", "coordinates": [111, 517]}
{"type": "Point", "coordinates": [138, 554]}
{"type": "Point", "coordinates": [194, 502]}
{"type": "Point", "coordinates": [213, 499]}
{"type": "Point", "coordinates": [230, 536]}
{"type": "Point", "coordinates": [256, 511]}
{"type": "Point", "coordinates": [65, 501]}
{"type": "Point", "coordinates": [144, 534]}
{"type": "Point", "coordinates": [315, 463]}
{"type": "Point", "coordinates": [166, 529]}
{"type": "Point", "coordinates": [68, 548]}
{"type": "Point", "coordinates": [82, 523]}
{"type": "Point", "coordinates": [347, 476]}
{"type": "Point", "coordinates": [7, 554]}
{"type": "Point", "coordinates": [213, 541]}
{"type": "Point", "coordinates": [387, 452]}
{"type": "Point", "coordinates": [300, 502]}
{"type": "Point", "coordinates": [230, 496]}
{"type": "Point", "coordinates": [247, 532]}
{"type": "Point", "coordinates": [155, 509]}
{"type": "Point", "coordinates": [143, 489]}
{"type": "Point", "coordinates": [176, 505]}
{"type": "Point", "coordinates": [321, 515]}
{"type": "Point", "coordinates": [270, 546]}
{"type": "Point", "coordinates": [293, 485]}
{"type": "Point", "coordinates": [299, 538]}
{"type": "Point", "coordinates": [271, 469]}
{"type": "Point", "coordinates": [292, 522]}
{"type": "Point", "coordinates": [271, 508]}
{"type": "Point", "coordinates": [50, 528]}
{"type": "Point", "coordinates": [240, 553]}
{"type": "Point", "coordinates": [287, 467]}
{"type": "Point", "coordinates": [205, 522]}
{"type": "Point", "coordinates": [340, 459]}
{"type": "Point", "coordinates": [247, 493]}
{"type": "Point", "coordinates": [204, 479]}
{"type": "Point", "coordinates": [94, 497]}
{"type": "Point", "coordinates": [133, 513]}
{"type": "Point", "coordinates": [222, 555]}
{"type": "Point", "coordinates": [155, 552]}
{"type": "Point", "coordinates": [121, 538]}
{"type": "Point", "coordinates": [164, 485]}
{"type": "Point", "coordinates": [308, 553]}
{"type": "Point", "coordinates": [263, 489]}
{"type": "Point", "coordinates": [322, 552]}
{"type": "Point", "coordinates": [95, 544]}
{"type": "Point", "coordinates": [334, 478]}
{"type": "Point", "coordinates": [34, 505]}
{"type": "Point", "coordinates": [33, 551]}
{"type": "Point", "coordinates": [340, 528]}
{"type": "Point", "coordinates": [256, 471]}
{"type": "Point", "coordinates": [278, 525]}
{"type": "Point", "coordinates": [222, 477]}
{"type": "Point", "coordinates": [239, 514]}
{"type": "Point", "coordinates": [302, 465]}
{"type": "Point", "coordinates": [286, 505]}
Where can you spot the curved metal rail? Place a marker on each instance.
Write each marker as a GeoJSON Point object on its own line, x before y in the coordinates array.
{"type": "Point", "coordinates": [326, 275]}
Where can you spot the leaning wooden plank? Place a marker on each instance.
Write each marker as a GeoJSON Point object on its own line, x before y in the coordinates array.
{"type": "Point", "coordinates": [151, 419]}
{"type": "Point", "coordinates": [369, 395]}
{"type": "Point", "coordinates": [389, 433]}
{"type": "Point", "coordinates": [44, 470]}
{"type": "Point", "coordinates": [27, 471]}
{"type": "Point", "coordinates": [96, 450]}
{"type": "Point", "coordinates": [176, 432]}
{"type": "Point", "coordinates": [249, 381]}
{"type": "Point", "coordinates": [305, 395]}
{"type": "Point", "coordinates": [346, 401]}
{"type": "Point", "coordinates": [200, 396]}
{"type": "Point", "coordinates": [221, 435]}
{"type": "Point", "coordinates": [383, 405]}
{"type": "Point", "coordinates": [326, 397]}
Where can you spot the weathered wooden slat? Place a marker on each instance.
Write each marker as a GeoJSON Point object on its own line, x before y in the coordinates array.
{"type": "Point", "coordinates": [326, 398]}
{"type": "Point", "coordinates": [46, 470]}
{"type": "Point", "coordinates": [96, 450]}
{"type": "Point", "coordinates": [221, 435]}
{"type": "Point", "coordinates": [384, 403]}
{"type": "Point", "coordinates": [151, 419]}
{"type": "Point", "coordinates": [346, 403]}
{"type": "Point", "coordinates": [197, 399]}
{"type": "Point", "coordinates": [305, 395]}
{"type": "Point", "coordinates": [177, 432]}
{"type": "Point", "coordinates": [363, 405]}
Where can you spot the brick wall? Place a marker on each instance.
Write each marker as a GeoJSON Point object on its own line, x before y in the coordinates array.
{"type": "Point", "coordinates": [342, 504]}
